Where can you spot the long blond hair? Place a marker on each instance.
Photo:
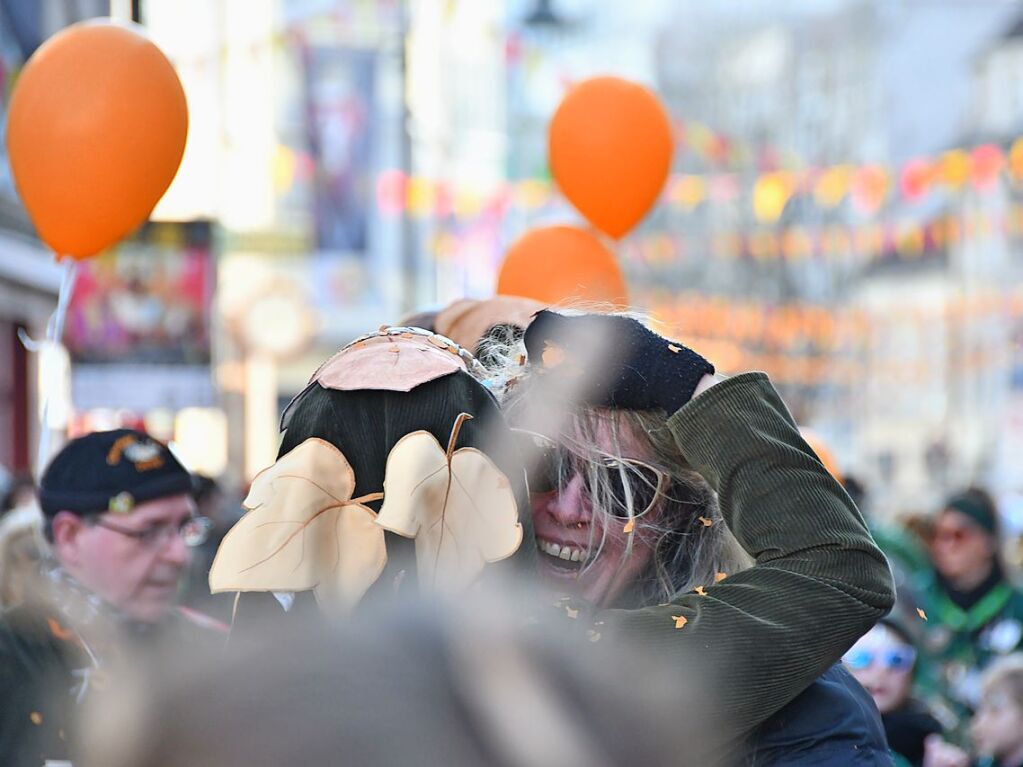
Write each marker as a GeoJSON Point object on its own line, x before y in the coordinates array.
{"type": "Point", "coordinates": [691, 543]}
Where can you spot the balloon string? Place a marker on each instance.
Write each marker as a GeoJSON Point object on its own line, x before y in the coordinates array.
{"type": "Point", "coordinates": [54, 335]}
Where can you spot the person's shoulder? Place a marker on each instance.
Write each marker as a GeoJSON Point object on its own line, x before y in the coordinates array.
{"type": "Point", "coordinates": [30, 638]}
{"type": "Point", "coordinates": [20, 625]}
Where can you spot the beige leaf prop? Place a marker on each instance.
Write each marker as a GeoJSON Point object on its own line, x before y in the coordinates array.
{"type": "Point", "coordinates": [303, 530]}
{"type": "Point", "coordinates": [457, 505]}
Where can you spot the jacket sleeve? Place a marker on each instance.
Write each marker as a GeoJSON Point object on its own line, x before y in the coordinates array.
{"type": "Point", "coordinates": [763, 635]}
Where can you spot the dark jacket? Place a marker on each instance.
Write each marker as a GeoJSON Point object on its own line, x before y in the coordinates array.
{"type": "Point", "coordinates": [833, 722]}
{"type": "Point", "coordinates": [46, 675]}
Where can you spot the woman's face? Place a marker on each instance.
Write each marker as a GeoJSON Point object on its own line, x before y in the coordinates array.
{"type": "Point", "coordinates": [960, 548]}
{"type": "Point", "coordinates": [564, 521]}
{"type": "Point", "coordinates": [883, 663]}
{"type": "Point", "coordinates": [997, 727]}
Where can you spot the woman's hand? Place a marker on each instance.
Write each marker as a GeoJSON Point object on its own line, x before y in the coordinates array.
{"type": "Point", "coordinates": [614, 361]}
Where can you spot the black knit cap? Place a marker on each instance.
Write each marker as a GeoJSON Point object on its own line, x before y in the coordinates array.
{"type": "Point", "coordinates": [978, 506]}
{"type": "Point", "coordinates": [111, 471]}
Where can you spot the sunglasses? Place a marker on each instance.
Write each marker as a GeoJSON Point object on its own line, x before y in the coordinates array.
{"type": "Point", "coordinates": [550, 466]}
{"type": "Point", "coordinates": [956, 535]}
{"type": "Point", "coordinates": [894, 658]}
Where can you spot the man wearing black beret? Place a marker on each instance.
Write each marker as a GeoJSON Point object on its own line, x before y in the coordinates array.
{"type": "Point", "coordinates": [120, 519]}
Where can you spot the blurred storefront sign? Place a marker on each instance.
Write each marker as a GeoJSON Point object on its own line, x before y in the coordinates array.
{"type": "Point", "coordinates": [138, 326]}
{"type": "Point", "coordinates": [146, 301]}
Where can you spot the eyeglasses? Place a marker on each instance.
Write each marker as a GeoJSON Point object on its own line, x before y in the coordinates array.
{"type": "Point", "coordinates": [194, 531]}
{"type": "Point", "coordinates": [632, 483]}
{"type": "Point", "coordinates": [894, 658]}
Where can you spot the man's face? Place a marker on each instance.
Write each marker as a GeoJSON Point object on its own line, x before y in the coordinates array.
{"type": "Point", "coordinates": [960, 548]}
{"type": "Point", "coordinates": [137, 575]}
{"type": "Point", "coordinates": [564, 519]}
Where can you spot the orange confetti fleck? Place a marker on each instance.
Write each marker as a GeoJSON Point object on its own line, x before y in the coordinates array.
{"type": "Point", "coordinates": [553, 355]}
{"type": "Point", "coordinates": [680, 620]}
{"type": "Point", "coordinates": [720, 577]}
{"type": "Point", "coordinates": [674, 349]}
{"type": "Point", "coordinates": [701, 591]}
{"type": "Point", "coordinates": [502, 482]}
{"type": "Point", "coordinates": [573, 614]}
{"type": "Point", "coordinates": [921, 613]}
{"type": "Point", "coordinates": [36, 717]}
{"type": "Point", "coordinates": [522, 359]}
{"type": "Point", "coordinates": [59, 631]}
{"type": "Point", "coordinates": [706, 522]}
{"type": "Point", "coordinates": [394, 349]}
{"type": "Point", "coordinates": [629, 526]}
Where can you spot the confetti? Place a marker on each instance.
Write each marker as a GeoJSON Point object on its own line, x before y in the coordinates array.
{"type": "Point", "coordinates": [594, 636]}
{"type": "Point", "coordinates": [59, 631]}
{"type": "Point", "coordinates": [60, 734]}
{"type": "Point", "coordinates": [921, 613]}
{"type": "Point", "coordinates": [394, 349]}
{"type": "Point", "coordinates": [553, 355]}
{"type": "Point", "coordinates": [706, 522]}
{"type": "Point", "coordinates": [522, 359]}
{"type": "Point", "coordinates": [701, 591]}
{"type": "Point", "coordinates": [36, 717]}
{"type": "Point", "coordinates": [629, 526]}
{"type": "Point", "coordinates": [720, 577]}
{"type": "Point", "coordinates": [573, 614]}
{"type": "Point", "coordinates": [680, 620]}
{"type": "Point", "coordinates": [674, 349]}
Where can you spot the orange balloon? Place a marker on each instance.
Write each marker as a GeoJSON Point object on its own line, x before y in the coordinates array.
{"type": "Point", "coordinates": [610, 149]}
{"type": "Point", "coordinates": [557, 264]}
{"type": "Point", "coordinates": [820, 447]}
{"type": "Point", "coordinates": [95, 133]}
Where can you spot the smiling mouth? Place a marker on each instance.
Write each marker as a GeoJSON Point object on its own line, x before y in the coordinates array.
{"type": "Point", "coordinates": [563, 556]}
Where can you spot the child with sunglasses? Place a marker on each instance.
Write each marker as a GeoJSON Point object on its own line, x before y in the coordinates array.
{"type": "Point", "coordinates": [883, 661]}
{"type": "Point", "coordinates": [654, 485]}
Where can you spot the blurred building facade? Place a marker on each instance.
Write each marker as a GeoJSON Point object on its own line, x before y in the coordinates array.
{"type": "Point", "coordinates": [350, 162]}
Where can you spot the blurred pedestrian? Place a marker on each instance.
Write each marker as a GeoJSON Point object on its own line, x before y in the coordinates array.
{"type": "Point", "coordinates": [21, 550]}
{"type": "Point", "coordinates": [20, 493]}
{"type": "Point", "coordinates": [462, 684]}
{"type": "Point", "coordinates": [998, 724]}
{"type": "Point", "coordinates": [974, 612]}
{"type": "Point", "coordinates": [119, 517]}
{"type": "Point", "coordinates": [883, 661]}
